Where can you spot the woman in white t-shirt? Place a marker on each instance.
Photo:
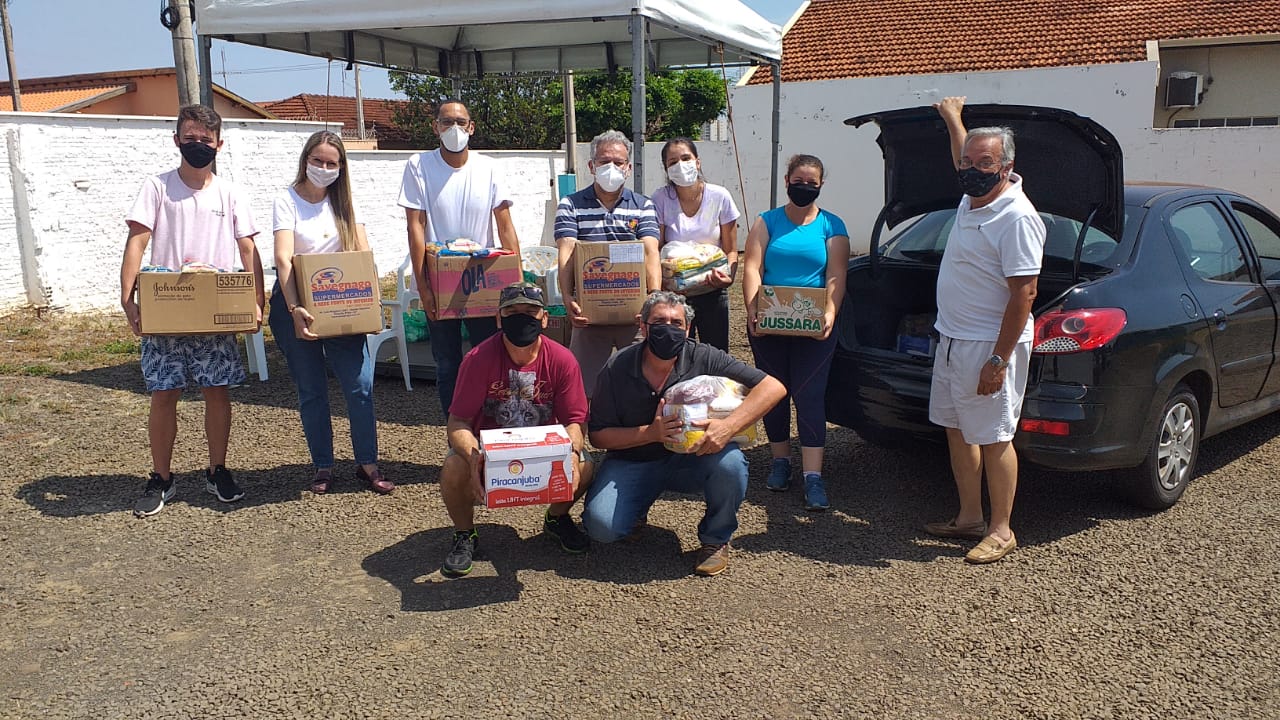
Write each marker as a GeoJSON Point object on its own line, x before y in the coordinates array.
{"type": "Point", "coordinates": [692, 210]}
{"type": "Point", "coordinates": [315, 215]}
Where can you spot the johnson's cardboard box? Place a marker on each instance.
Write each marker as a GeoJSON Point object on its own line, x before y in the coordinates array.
{"type": "Point", "coordinates": [341, 292]}
{"type": "Point", "coordinates": [193, 303]}
{"type": "Point", "coordinates": [610, 281]}
{"type": "Point", "coordinates": [527, 466]}
{"type": "Point", "coordinates": [791, 310]}
{"type": "Point", "coordinates": [467, 286]}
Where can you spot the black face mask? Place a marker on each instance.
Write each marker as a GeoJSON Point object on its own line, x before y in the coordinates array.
{"type": "Point", "coordinates": [666, 341]}
{"type": "Point", "coordinates": [521, 329]}
{"type": "Point", "coordinates": [803, 195]}
{"type": "Point", "coordinates": [976, 183]}
{"type": "Point", "coordinates": [197, 154]}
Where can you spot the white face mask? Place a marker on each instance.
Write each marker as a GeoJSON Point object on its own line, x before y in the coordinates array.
{"type": "Point", "coordinates": [321, 176]}
{"type": "Point", "coordinates": [455, 139]}
{"type": "Point", "coordinates": [610, 177]}
{"type": "Point", "coordinates": [683, 173]}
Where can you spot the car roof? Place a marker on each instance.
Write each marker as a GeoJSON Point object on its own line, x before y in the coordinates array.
{"type": "Point", "coordinates": [1071, 166]}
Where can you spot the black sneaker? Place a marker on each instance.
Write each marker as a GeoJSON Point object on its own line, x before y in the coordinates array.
{"type": "Point", "coordinates": [458, 562]}
{"type": "Point", "coordinates": [572, 540]}
{"type": "Point", "coordinates": [155, 495]}
{"type": "Point", "coordinates": [218, 481]}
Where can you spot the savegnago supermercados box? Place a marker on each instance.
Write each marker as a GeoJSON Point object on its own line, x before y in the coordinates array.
{"type": "Point", "coordinates": [341, 292]}
{"type": "Point", "coordinates": [527, 466]}
{"type": "Point", "coordinates": [197, 302]}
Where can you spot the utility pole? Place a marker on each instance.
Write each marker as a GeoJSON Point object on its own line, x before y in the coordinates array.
{"type": "Point", "coordinates": [184, 54]}
{"type": "Point", "coordinates": [8, 49]}
{"type": "Point", "coordinates": [359, 106]}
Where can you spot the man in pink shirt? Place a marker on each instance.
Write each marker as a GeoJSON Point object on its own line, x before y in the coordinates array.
{"type": "Point", "coordinates": [516, 378]}
{"type": "Point", "coordinates": [189, 215]}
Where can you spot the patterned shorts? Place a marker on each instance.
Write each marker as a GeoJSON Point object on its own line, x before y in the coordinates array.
{"type": "Point", "coordinates": [209, 360]}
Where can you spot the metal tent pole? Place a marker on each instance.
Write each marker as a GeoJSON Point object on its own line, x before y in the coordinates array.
{"type": "Point", "coordinates": [637, 101]}
{"type": "Point", "coordinates": [776, 71]}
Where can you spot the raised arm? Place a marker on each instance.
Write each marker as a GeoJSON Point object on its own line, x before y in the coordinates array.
{"type": "Point", "coordinates": [949, 108]}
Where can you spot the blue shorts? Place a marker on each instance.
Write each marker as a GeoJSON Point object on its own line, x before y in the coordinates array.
{"type": "Point", "coordinates": [209, 360]}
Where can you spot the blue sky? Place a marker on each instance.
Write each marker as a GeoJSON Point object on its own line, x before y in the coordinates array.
{"type": "Point", "coordinates": [67, 37]}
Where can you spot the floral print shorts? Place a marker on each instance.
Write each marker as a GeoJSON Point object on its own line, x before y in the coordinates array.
{"type": "Point", "coordinates": [209, 361]}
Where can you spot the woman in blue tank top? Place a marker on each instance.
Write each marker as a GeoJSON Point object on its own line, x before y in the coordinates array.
{"type": "Point", "coordinates": [797, 245]}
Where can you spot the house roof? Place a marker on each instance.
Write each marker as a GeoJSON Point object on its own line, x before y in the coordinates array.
{"type": "Point", "coordinates": [69, 93]}
{"type": "Point", "coordinates": [67, 100]}
{"type": "Point", "coordinates": [833, 39]}
{"type": "Point", "coordinates": [379, 115]}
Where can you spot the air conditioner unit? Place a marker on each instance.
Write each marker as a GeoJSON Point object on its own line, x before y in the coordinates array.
{"type": "Point", "coordinates": [1183, 89]}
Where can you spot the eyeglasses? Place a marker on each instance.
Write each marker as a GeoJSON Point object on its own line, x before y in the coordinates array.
{"type": "Point", "coordinates": [446, 122]}
{"type": "Point", "coordinates": [985, 165]}
{"type": "Point", "coordinates": [673, 323]}
{"type": "Point", "coordinates": [528, 292]}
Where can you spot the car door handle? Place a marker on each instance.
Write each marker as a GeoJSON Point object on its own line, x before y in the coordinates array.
{"type": "Point", "coordinates": [1220, 319]}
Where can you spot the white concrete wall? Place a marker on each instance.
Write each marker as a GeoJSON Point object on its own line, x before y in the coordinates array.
{"type": "Point", "coordinates": [1121, 97]}
{"type": "Point", "coordinates": [83, 172]}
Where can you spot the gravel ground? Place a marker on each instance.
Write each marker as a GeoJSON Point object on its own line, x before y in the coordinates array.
{"type": "Point", "coordinates": [290, 605]}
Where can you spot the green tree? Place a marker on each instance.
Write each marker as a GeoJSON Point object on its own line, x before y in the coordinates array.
{"type": "Point", "coordinates": [526, 111]}
{"type": "Point", "coordinates": [510, 111]}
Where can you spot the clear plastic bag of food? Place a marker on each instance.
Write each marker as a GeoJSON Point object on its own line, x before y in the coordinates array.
{"type": "Point", "coordinates": [704, 397]}
{"type": "Point", "coordinates": [688, 268]}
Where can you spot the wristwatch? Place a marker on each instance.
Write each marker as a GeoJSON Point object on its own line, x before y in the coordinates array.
{"type": "Point", "coordinates": [997, 362]}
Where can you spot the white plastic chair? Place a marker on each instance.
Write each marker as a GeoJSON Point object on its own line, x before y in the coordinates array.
{"type": "Point", "coordinates": [406, 293]}
{"type": "Point", "coordinates": [255, 348]}
{"type": "Point", "coordinates": [544, 260]}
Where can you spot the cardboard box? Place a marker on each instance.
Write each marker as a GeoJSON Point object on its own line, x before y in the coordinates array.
{"type": "Point", "coordinates": [467, 286]}
{"type": "Point", "coordinates": [527, 466]}
{"type": "Point", "coordinates": [611, 282]}
{"type": "Point", "coordinates": [194, 303]}
{"type": "Point", "coordinates": [791, 310]}
{"type": "Point", "coordinates": [559, 328]}
{"type": "Point", "coordinates": [341, 291]}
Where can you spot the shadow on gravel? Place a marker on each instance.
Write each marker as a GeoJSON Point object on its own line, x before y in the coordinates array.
{"type": "Point", "coordinates": [413, 565]}
{"type": "Point", "coordinates": [392, 403]}
{"type": "Point", "coordinates": [78, 496]}
{"type": "Point", "coordinates": [880, 499]}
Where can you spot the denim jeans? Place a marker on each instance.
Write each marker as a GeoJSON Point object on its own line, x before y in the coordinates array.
{"type": "Point", "coordinates": [624, 490]}
{"type": "Point", "coordinates": [348, 355]}
{"type": "Point", "coordinates": [446, 349]}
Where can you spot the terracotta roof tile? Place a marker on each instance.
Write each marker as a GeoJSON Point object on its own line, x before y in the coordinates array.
{"type": "Point", "coordinates": [378, 114]}
{"type": "Point", "coordinates": [52, 100]}
{"type": "Point", "coordinates": [873, 38]}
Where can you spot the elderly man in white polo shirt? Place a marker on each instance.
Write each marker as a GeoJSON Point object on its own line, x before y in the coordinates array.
{"type": "Point", "coordinates": [986, 288]}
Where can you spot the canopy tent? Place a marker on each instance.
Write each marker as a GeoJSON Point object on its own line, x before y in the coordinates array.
{"type": "Point", "coordinates": [469, 39]}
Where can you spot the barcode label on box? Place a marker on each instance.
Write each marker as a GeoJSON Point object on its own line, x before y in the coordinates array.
{"type": "Point", "coordinates": [232, 318]}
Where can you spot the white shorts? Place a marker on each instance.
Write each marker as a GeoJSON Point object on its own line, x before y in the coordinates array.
{"type": "Point", "coordinates": [954, 401]}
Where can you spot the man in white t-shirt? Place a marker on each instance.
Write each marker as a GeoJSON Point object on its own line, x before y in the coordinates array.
{"type": "Point", "coordinates": [189, 215]}
{"type": "Point", "coordinates": [449, 193]}
{"type": "Point", "coordinates": [986, 287]}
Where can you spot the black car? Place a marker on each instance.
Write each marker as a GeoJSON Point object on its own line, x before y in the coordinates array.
{"type": "Point", "coordinates": [1155, 320]}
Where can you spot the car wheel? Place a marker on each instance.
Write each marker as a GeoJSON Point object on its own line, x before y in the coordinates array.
{"type": "Point", "coordinates": [1171, 459]}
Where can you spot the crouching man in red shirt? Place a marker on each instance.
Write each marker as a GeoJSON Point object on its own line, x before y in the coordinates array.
{"type": "Point", "coordinates": [516, 378]}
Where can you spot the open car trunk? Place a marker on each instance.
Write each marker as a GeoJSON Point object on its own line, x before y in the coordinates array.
{"type": "Point", "coordinates": [893, 311]}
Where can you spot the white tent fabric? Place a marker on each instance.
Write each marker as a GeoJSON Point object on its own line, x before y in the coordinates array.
{"type": "Point", "coordinates": [493, 36]}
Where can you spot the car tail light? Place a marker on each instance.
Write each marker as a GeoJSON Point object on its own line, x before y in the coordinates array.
{"type": "Point", "coordinates": [1045, 427]}
{"type": "Point", "coordinates": [1069, 331]}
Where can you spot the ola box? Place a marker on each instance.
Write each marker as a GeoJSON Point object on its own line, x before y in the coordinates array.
{"type": "Point", "coordinates": [527, 466]}
{"type": "Point", "coordinates": [791, 310]}
{"type": "Point", "coordinates": [468, 286]}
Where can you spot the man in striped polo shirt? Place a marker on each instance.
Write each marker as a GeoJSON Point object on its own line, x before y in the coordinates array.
{"type": "Point", "coordinates": [606, 211]}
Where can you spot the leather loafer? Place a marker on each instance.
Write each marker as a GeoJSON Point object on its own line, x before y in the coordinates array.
{"type": "Point", "coordinates": [990, 550]}
{"type": "Point", "coordinates": [377, 482]}
{"type": "Point", "coordinates": [950, 529]}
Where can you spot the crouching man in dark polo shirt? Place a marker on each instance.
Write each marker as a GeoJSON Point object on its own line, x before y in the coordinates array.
{"type": "Point", "coordinates": [626, 420]}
